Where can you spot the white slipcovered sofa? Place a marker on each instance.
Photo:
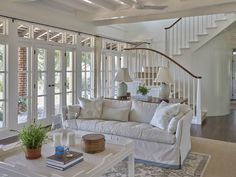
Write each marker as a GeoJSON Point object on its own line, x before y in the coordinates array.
{"type": "Point", "coordinates": [166, 147]}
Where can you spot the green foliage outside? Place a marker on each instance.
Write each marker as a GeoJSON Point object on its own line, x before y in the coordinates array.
{"type": "Point", "coordinates": [143, 90]}
{"type": "Point", "coordinates": [22, 105]}
{"type": "Point", "coordinates": [33, 136]}
{"type": "Point", "coordinates": [41, 59]}
{"type": "Point", "coordinates": [1, 64]}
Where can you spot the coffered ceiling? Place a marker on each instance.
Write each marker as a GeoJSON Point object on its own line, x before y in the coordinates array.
{"type": "Point", "coordinates": [106, 12]}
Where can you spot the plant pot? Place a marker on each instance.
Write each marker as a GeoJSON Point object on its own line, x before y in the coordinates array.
{"type": "Point", "coordinates": [32, 154]}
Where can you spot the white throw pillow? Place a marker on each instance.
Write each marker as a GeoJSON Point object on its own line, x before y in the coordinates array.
{"type": "Point", "coordinates": [90, 109]}
{"type": "Point", "coordinates": [117, 114]}
{"type": "Point", "coordinates": [73, 111]}
{"type": "Point", "coordinates": [142, 111]}
{"type": "Point", "coordinates": [174, 122]}
{"type": "Point", "coordinates": [163, 115]}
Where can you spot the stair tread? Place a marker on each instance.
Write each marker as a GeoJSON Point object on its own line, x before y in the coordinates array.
{"type": "Point", "coordinates": [211, 27]}
{"type": "Point", "coordinates": [193, 41]}
{"type": "Point", "coordinates": [203, 34]}
{"type": "Point", "coordinates": [223, 19]}
{"type": "Point", "coordinates": [183, 48]}
{"type": "Point", "coordinates": [179, 54]}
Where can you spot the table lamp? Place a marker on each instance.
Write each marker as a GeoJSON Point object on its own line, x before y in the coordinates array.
{"type": "Point", "coordinates": [122, 76]}
{"type": "Point", "coordinates": [164, 78]}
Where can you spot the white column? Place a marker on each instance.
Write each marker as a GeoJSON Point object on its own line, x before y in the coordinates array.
{"type": "Point", "coordinates": [97, 69]}
{"type": "Point", "coordinates": [12, 76]}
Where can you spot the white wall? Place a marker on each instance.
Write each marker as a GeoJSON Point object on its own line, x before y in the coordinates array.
{"type": "Point", "coordinates": [114, 31]}
{"type": "Point", "coordinates": [212, 62]}
{"type": "Point", "coordinates": [152, 31]}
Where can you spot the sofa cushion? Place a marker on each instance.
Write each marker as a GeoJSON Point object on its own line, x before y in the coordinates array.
{"type": "Point", "coordinates": [164, 114]}
{"type": "Point", "coordinates": [142, 111]}
{"type": "Point", "coordinates": [116, 103]}
{"type": "Point", "coordinates": [73, 111]}
{"type": "Point", "coordinates": [90, 109]}
{"type": "Point", "coordinates": [133, 130]}
{"type": "Point", "coordinates": [119, 114]}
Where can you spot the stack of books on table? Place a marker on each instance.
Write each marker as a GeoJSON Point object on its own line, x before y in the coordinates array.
{"type": "Point", "coordinates": [62, 162]}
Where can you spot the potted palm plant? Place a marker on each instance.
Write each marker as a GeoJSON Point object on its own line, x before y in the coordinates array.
{"type": "Point", "coordinates": [32, 138]}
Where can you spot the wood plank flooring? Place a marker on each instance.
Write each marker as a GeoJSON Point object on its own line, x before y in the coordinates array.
{"type": "Point", "coordinates": [218, 128]}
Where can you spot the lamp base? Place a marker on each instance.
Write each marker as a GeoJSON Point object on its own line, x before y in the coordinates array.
{"type": "Point", "coordinates": [122, 89]}
{"type": "Point", "coordinates": [164, 91]}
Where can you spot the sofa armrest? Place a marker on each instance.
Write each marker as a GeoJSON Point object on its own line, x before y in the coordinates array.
{"type": "Point", "coordinates": [183, 137]}
{"type": "Point", "coordinates": [183, 127]}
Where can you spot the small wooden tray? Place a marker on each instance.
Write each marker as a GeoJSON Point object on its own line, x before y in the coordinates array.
{"type": "Point", "coordinates": [93, 143]}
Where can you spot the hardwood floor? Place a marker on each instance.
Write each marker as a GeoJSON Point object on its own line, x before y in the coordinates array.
{"type": "Point", "coordinates": [218, 128]}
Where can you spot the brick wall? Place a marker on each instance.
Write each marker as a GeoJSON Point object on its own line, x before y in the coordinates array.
{"type": "Point", "coordinates": [22, 68]}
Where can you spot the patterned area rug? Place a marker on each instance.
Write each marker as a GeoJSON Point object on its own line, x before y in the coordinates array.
{"type": "Point", "coordinates": [194, 166]}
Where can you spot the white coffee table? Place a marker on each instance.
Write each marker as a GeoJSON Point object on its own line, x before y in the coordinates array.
{"type": "Point", "coordinates": [94, 165]}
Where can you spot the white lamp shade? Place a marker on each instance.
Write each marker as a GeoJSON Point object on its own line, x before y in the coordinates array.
{"type": "Point", "coordinates": [122, 75]}
{"type": "Point", "coordinates": [163, 75]}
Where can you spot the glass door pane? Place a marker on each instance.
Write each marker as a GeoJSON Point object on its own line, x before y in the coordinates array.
{"type": "Point", "coordinates": [57, 81]}
{"type": "Point", "coordinates": [22, 86]}
{"type": "Point", "coordinates": [87, 69]}
{"type": "Point", "coordinates": [41, 60]}
{"type": "Point", "coordinates": [69, 77]}
{"type": "Point", "coordinates": [2, 85]}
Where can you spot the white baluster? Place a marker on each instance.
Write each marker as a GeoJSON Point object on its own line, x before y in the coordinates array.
{"type": "Point", "coordinates": [198, 103]}
{"type": "Point", "coordinates": [174, 81]}
{"type": "Point", "coordinates": [172, 40]}
{"type": "Point", "coordinates": [189, 101]}
{"type": "Point", "coordinates": [179, 88]}
{"type": "Point", "coordinates": [194, 95]}
{"type": "Point", "coordinates": [183, 78]}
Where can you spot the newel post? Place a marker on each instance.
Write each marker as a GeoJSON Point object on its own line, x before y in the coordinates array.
{"type": "Point", "coordinates": [198, 117]}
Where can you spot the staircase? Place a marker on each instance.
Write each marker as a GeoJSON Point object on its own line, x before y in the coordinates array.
{"type": "Point", "coordinates": [188, 34]}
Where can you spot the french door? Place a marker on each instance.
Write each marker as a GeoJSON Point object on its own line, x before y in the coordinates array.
{"type": "Point", "coordinates": [46, 76]}
{"type": "Point", "coordinates": [111, 63]}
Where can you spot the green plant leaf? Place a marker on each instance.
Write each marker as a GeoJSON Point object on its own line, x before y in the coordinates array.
{"type": "Point", "coordinates": [33, 136]}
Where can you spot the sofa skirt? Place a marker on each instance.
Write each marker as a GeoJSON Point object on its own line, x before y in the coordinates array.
{"type": "Point", "coordinates": [159, 154]}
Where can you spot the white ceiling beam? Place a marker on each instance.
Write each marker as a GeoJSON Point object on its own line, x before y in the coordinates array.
{"type": "Point", "coordinates": [104, 4]}
{"type": "Point", "coordinates": [76, 5]}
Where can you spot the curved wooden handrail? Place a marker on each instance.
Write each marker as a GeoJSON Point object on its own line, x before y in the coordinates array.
{"type": "Point", "coordinates": [140, 43]}
{"type": "Point", "coordinates": [166, 28]}
{"type": "Point", "coordinates": [197, 77]}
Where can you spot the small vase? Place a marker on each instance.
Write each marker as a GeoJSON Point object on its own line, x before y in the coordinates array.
{"type": "Point", "coordinates": [32, 154]}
